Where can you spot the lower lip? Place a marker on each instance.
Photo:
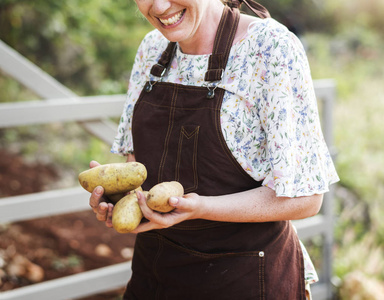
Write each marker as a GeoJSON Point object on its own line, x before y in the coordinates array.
{"type": "Point", "coordinates": [175, 24]}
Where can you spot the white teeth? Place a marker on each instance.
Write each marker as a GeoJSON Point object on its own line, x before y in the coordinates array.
{"type": "Point", "coordinates": [172, 20]}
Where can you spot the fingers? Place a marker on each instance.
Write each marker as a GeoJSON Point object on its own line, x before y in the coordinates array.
{"type": "Point", "coordinates": [186, 208]}
{"type": "Point", "coordinates": [186, 203]}
{"type": "Point", "coordinates": [147, 212]}
{"type": "Point", "coordinates": [145, 226]}
{"type": "Point", "coordinates": [108, 222]}
{"type": "Point", "coordinates": [93, 164]}
{"type": "Point", "coordinates": [95, 198]}
{"type": "Point", "coordinates": [131, 158]}
{"type": "Point", "coordinates": [159, 219]}
{"type": "Point", "coordinates": [102, 211]}
{"type": "Point", "coordinates": [190, 205]}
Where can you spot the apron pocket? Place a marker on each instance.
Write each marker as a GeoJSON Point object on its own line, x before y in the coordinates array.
{"type": "Point", "coordinates": [186, 163]}
{"type": "Point", "coordinates": [188, 274]}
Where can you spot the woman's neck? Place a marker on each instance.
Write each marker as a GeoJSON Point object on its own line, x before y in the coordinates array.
{"type": "Point", "coordinates": [204, 37]}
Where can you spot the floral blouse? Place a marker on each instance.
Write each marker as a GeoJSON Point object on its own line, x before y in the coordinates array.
{"type": "Point", "coordinates": [269, 115]}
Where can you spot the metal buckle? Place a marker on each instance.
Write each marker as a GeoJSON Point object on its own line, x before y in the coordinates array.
{"type": "Point", "coordinates": [164, 70]}
{"type": "Point", "coordinates": [211, 91]}
{"type": "Point", "coordinates": [212, 86]}
{"type": "Point", "coordinates": [222, 74]}
{"type": "Point", "coordinates": [148, 86]}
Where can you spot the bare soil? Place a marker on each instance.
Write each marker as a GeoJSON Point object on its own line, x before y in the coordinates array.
{"type": "Point", "coordinates": [48, 248]}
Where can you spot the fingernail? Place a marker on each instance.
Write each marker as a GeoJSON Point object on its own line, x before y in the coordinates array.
{"type": "Point", "coordinates": [99, 190]}
{"type": "Point", "coordinates": [173, 201]}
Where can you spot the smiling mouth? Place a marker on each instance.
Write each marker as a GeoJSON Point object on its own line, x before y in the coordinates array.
{"type": "Point", "coordinates": [173, 20]}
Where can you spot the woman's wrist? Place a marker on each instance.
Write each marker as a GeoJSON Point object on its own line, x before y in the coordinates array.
{"type": "Point", "coordinates": [198, 205]}
{"type": "Point", "coordinates": [202, 207]}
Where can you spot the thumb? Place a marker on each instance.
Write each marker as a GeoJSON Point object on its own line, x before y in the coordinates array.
{"type": "Point", "coordinates": [183, 203]}
{"type": "Point", "coordinates": [174, 201]}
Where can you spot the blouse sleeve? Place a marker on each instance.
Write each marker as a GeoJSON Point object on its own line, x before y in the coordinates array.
{"type": "Point", "coordinates": [299, 161]}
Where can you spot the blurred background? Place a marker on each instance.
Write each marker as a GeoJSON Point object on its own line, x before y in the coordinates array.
{"type": "Point", "coordinates": [89, 46]}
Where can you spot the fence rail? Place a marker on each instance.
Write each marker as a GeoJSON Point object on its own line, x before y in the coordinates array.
{"type": "Point", "coordinates": [79, 109]}
{"type": "Point", "coordinates": [79, 285]}
{"type": "Point", "coordinates": [64, 106]}
{"type": "Point", "coordinates": [47, 87]}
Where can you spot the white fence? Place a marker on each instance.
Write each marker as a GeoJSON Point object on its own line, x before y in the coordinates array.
{"type": "Point", "coordinates": [63, 105]}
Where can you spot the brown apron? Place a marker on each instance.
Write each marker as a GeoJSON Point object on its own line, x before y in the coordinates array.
{"type": "Point", "coordinates": [177, 136]}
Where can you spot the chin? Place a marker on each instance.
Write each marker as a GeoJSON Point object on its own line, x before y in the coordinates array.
{"type": "Point", "coordinates": [173, 37]}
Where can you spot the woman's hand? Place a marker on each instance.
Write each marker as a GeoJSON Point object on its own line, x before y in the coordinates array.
{"type": "Point", "coordinates": [186, 208]}
{"type": "Point", "coordinates": [100, 206]}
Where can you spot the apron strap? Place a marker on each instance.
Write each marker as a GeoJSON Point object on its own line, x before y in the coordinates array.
{"type": "Point", "coordinates": [223, 43]}
{"type": "Point", "coordinates": [160, 68]}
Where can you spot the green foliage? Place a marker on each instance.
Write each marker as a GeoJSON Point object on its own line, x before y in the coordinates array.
{"type": "Point", "coordinates": [345, 14]}
{"type": "Point", "coordinates": [88, 46]}
{"type": "Point", "coordinates": [352, 56]}
{"type": "Point", "coordinates": [70, 262]}
{"type": "Point", "coordinates": [11, 90]}
{"type": "Point", "coordinates": [83, 44]}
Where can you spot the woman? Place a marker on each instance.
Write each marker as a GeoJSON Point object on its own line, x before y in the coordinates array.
{"type": "Point", "coordinates": [224, 104]}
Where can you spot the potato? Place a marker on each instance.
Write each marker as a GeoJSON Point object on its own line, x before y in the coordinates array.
{"type": "Point", "coordinates": [158, 195]}
{"type": "Point", "coordinates": [126, 214]}
{"type": "Point", "coordinates": [138, 189]}
{"type": "Point", "coordinates": [116, 197]}
{"type": "Point", "coordinates": [114, 178]}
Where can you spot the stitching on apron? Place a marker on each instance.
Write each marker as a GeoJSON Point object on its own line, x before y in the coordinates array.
{"type": "Point", "coordinates": [208, 255]}
{"type": "Point", "coordinates": [261, 278]}
{"type": "Point", "coordinates": [232, 33]}
{"type": "Point", "coordinates": [181, 86]}
{"type": "Point", "coordinates": [167, 137]}
{"type": "Point", "coordinates": [218, 60]}
{"type": "Point", "coordinates": [178, 108]}
{"type": "Point", "coordinates": [211, 224]}
{"type": "Point", "coordinates": [220, 30]}
{"type": "Point", "coordinates": [224, 146]}
{"type": "Point", "coordinates": [196, 178]}
{"type": "Point", "coordinates": [218, 37]}
{"type": "Point", "coordinates": [301, 261]}
{"type": "Point", "coordinates": [193, 134]}
{"type": "Point", "coordinates": [180, 146]}
{"type": "Point", "coordinates": [189, 135]}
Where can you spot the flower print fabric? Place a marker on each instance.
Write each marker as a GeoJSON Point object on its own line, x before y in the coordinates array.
{"type": "Point", "coordinates": [269, 114]}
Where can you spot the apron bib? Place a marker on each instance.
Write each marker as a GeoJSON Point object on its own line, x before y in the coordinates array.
{"type": "Point", "coordinates": [177, 136]}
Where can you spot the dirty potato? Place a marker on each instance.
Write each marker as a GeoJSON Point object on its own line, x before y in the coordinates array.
{"type": "Point", "coordinates": [114, 198]}
{"type": "Point", "coordinates": [158, 195]}
{"type": "Point", "coordinates": [126, 214]}
{"type": "Point", "coordinates": [115, 178]}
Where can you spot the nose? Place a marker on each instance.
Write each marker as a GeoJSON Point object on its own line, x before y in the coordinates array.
{"type": "Point", "coordinates": [160, 7]}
